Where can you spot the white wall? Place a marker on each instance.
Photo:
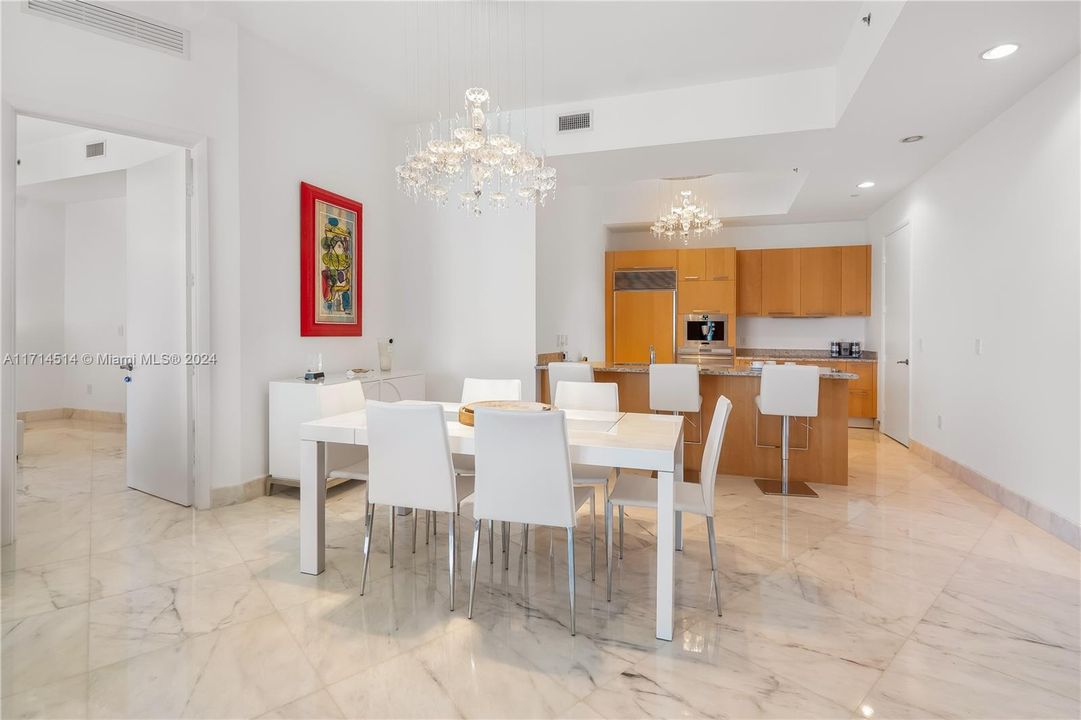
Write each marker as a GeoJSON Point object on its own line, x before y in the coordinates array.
{"type": "Point", "coordinates": [297, 124]}
{"type": "Point", "coordinates": [466, 294]}
{"type": "Point", "coordinates": [996, 253]}
{"type": "Point", "coordinates": [39, 301]}
{"type": "Point", "coordinates": [94, 301]}
{"type": "Point", "coordinates": [65, 156]}
{"type": "Point", "coordinates": [570, 274]}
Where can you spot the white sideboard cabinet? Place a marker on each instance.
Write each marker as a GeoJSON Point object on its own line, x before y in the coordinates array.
{"type": "Point", "coordinates": [294, 401]}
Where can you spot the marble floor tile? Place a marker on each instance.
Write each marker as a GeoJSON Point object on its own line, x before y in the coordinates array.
{"type": "Point", "coordinates": [133, 623]}
{"type": "Point", "coordinates": [401, 687]}
{"type": "Point", "coordinates": [839, 657]}
{"type": "Point", "coordinates": [317, 706]}
{"type": "Point", "coordinates": [43, 649]}
{"type": "Point", "coordinates": [924, 682]}
{"type": "Point", "coordinates": [1015, 540]}
{"type": "Point", "coordinates": [241, 671]}
{"type": "Point", "coordinates": [42, 588]}
{"type": "Point", "coordinates": [46, 545]}
{"type": "Point", "coordinates": [63, 700]}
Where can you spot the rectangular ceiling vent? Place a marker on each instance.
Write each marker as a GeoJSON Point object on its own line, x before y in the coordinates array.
{"type": "Point", "coordinates": [119, 24]}
{"type": "Point", "coordinates": [576, 121]}
{"type": "Point", "coordinates": [95, 149]}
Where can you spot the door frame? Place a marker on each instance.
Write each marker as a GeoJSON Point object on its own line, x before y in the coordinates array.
{"type": "Point", "coordinates": [199, 397]}
{"type": "Point", "coordinates": [882, 396]}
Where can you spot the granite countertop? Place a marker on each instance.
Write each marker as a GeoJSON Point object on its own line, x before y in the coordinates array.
{"type": "Point", "coordinates": [866, 356]}
{"type": "Point", "coordinates": [709, 370]}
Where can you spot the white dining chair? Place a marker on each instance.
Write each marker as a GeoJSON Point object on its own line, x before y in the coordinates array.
{"type": "Point", "coordinates": [524, 476]}
{"type": "Point", "coordinates": [636, 490]}
{"type": "Point", "coordinates": [602, 397]}
{"type": "Point", "coordinates": [480, 390]}
{"type": "Point", "coordinates": [569, 371]}
{"type": "Point", "coordinates": [411, 467]}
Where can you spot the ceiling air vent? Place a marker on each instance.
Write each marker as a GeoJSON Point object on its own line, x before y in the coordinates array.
{"type": "Point", "coordinates": [575, 121]}
{"type": "Point", "coordinates": [116, 23]}
{"type": "Point", "coordinates": [95, 149]}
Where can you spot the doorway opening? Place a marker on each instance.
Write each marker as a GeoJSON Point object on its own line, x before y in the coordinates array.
{"type": "Point", "coordinates": [103, 339]}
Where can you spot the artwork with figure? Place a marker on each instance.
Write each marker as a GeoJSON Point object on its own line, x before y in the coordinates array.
{"type": "Point", "coordinates": [336, 230]}
{"type": "Point", "coordinates": [331, 263]}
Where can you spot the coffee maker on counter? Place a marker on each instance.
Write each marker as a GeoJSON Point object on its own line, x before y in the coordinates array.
{"type": "Point", "coordinates": [846, 349]}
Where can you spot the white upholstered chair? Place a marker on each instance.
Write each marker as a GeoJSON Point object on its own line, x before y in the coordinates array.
{"type": "Point", "coordinates": [524, 476]}
{"type": "Point", "coordinates": [604, 397]}
{"type": "Point", "coordinates": [570, 371]}
{"type": "Point", "coordinates": [636, 490]}
{"type": "Point", "coordinates": [410, 466]}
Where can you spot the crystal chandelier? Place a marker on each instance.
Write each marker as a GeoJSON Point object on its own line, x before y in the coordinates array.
{"type": "Point", "coordinates": [688, 217]}
{"type": "Point", "coordinates": [474, 157]}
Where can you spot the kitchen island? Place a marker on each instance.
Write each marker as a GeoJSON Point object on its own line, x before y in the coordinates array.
{"type": "Point", "coordinates": [819, 450]}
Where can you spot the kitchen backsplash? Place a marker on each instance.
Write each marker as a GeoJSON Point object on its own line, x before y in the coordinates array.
{"type": "Point", "coordinates": [799, 333]}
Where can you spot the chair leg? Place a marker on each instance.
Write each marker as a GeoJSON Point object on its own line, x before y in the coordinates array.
{"type": "Point", "coordinates": [593, 536]}
{"type": "Point", "coordinates": [393, 515]}
{"type": "Point", "coordinates": [473, 564]}
{"type": "Point", "coordinates": [713, 561]}
{"type": "Point", "coordinates": [427, 526]}
{"type": "Point", "coordinates": [369, 521]}
{"type": "Point", "coordinates": [608, 542]}
{"type": "Point", "coordinates": [570, 573]}
{"type": "Point", "coordinates": [506, 545]}
{"type": "Point", "coordinates": [620, 532]}
{"type": "Point", "coordinates": [415, 514]}
{"type": "Point", "coordinates": [491, 542]}
{"type": "Point", "coordinates": [451, 548]}
{"type": "Point", "coordinates": [525, 539]}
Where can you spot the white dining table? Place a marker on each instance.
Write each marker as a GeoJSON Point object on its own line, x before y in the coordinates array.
{"type": "Point", "coordinates": [611, 439]}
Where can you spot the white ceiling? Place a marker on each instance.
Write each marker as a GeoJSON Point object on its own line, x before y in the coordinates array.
{"type": "Point", "coordinates": [100, 186]}
{"type": "Point", "coordinates": [34, 130]}
{"type": "Point", "coordinates": [589, 49]}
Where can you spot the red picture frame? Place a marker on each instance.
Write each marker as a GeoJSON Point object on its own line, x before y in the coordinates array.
{"type": "Point", "coordinates": [331, 263]}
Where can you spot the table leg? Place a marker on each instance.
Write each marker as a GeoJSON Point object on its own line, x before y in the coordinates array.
{"type": "Point", "coordinates": [679, 530]}
{"type": "Point", "coordinates": [313, 500]}
{"type": "Point", "coordinates": [666, 537]}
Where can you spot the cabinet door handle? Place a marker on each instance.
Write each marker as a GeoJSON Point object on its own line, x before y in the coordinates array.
{"type": "Point", "coordinates": [690, 277]}
{"type": "Point", "coordinates": [720, 277]}
{"type": "Point", "coordinates": [780, 312]}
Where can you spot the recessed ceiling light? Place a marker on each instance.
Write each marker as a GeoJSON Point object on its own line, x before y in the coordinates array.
{"type": "Point", "coordinates": [854, 195]}
{"type": "Point", "coordinates": [866, 184]}
{"type": "Point", "coordinates": [912, 138]}
{"type": "Point", "coordinates": [999, 51]}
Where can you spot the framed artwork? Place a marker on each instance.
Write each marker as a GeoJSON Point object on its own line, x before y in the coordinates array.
{"type": "Point", "coordinates": [331, 233]}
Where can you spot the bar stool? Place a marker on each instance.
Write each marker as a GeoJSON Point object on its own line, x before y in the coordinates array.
{"type": "Point", "coordinates": [788, 391]}
{"type": "Point", "coordinates": [572, 371]}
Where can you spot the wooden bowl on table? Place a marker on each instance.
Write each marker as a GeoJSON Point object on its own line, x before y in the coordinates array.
{"type": "Point", "coordinates": [466, 417]}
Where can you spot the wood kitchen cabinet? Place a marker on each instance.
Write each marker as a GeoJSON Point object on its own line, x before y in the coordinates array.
{"type": "Point", "coordinates": [642, 319]}
{"type": "Point", "coordinates": [692, 265]}
{"type": "Point", "coordinates": [855, 280]}
{"type": "Point", "coordinates": [626, 259]}
{"type": "Point", "coordinates": [720, 263]}
{"type": "Point", "coordinates": [820, 281]}
{"type": "Point", "coordinates": [706, 296]}
{"type": "Point", "coordinates": [749, 284]}
{"type": "Point", "coordinates": [781, 282]}
{"type": "Point", "coordinates": [862, 393]}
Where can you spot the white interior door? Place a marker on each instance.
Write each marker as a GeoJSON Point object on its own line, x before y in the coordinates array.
{"type": "Point", "coordinates": [898, 255]}
{"type": "Point", "coordinates": [158, 427]}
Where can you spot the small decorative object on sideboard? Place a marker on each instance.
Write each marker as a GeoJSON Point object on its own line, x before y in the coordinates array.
{"type": "Point", "coordinates": [386, 350]}
{"type": "Point", "coordinates": [314, 372]}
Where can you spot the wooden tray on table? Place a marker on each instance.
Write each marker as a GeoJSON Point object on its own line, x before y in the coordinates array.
{"type": "Point", "coordinates": [465, 412]}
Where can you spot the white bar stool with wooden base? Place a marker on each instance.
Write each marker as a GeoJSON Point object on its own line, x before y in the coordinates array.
{"type": "Point", "coordinates": [788, 391]}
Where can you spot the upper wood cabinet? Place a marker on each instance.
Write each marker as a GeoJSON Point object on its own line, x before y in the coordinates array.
{"type": "Point", "coordinates": [781, 282]}
{"type": "Point", "coordinates": [625, 259]}
{"type": "Point", "coordinates": [721, 263]}
{"type": "Point", "coordinates": [692, 265]}
{"type": "Point", "coordinates": [749, 291]}
{"type": "Point", "coordinates": [820, 281]}
{"type": "Point", "coordinates": [706, 296]}
{"type": "Point", "coordinates": [856, 280]}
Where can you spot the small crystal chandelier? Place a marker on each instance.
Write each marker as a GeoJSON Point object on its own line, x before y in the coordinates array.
{"type": "Point", "coordinates": [466, 157]}
{"type": "Point", "coordinates": [689, 217]}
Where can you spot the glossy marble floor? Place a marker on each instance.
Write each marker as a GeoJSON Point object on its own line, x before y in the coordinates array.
{"type": "Point", "coordinates": [906, 594]}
